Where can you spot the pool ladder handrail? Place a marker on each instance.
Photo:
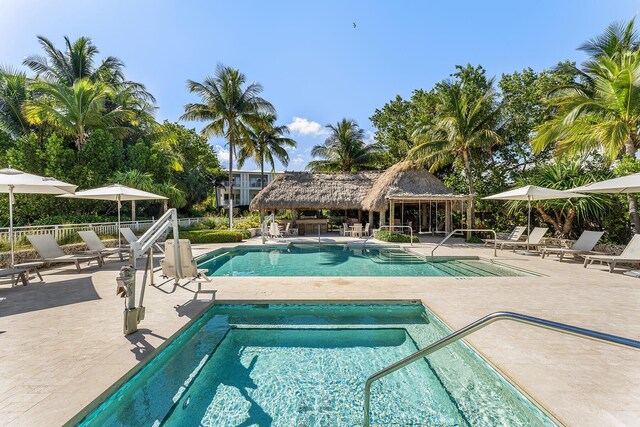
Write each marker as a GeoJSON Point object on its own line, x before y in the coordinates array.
{"type": "Point", "coordinates": [481, 323]}
{"type": "Point", "coordinates": [495, 238]}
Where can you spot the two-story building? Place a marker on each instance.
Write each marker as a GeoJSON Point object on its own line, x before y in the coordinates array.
{"type": "Point", "coordinates": [246, 184]}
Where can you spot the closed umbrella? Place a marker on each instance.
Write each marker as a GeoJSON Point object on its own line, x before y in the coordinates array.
{"type": "Point", "coordinates": [530, 193]}
{"type": "Point", "coordinates": [14, 181]}
{"type": "Point", "coordinates": [118, 193]}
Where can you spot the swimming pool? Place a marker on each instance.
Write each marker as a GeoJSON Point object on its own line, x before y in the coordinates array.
{"type": "Point", "coordinates": [306, 365]}
{"type": "Point", "coordinates": [344, 260]}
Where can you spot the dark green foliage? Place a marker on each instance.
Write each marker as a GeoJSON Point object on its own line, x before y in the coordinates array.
{"type": "Point", "coordinates": [212, 236]}
{"type": "Point", "coordinates": [387, 236]}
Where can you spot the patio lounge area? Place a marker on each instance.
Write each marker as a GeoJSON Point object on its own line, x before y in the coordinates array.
{"type": "Point", "coordinates": [56, 334]}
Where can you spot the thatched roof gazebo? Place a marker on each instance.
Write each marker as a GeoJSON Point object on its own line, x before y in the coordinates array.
{"type": "Point", "coordinates": [380, 192]}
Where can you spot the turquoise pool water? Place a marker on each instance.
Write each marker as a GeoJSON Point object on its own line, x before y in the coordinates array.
{"type": "Point", "coordinates": [343, 260]}
{"type": "Point", "coordinates": [298, 365]}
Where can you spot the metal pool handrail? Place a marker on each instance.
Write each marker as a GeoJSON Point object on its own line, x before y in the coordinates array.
{"type": "Point", "coordinates": [398, 226]}
{"type": "Point", "coordinates": [495, 238]}
{"type": "Point", "coordinates": [479, 324]}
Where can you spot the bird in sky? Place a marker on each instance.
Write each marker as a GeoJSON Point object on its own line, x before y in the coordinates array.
{"type": "Point", "coordinates": [354, 25]}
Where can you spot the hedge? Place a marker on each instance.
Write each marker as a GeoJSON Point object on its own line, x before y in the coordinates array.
{"type": "Point", "coordinates": [387, 236]}
{"type": "Point", "coordinates": [211, 236]}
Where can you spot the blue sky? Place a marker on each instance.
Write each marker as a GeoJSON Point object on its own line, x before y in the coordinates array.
{"type": "Point", "coordinates": [314, 66]}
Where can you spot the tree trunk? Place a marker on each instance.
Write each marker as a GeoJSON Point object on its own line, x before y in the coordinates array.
{"type": "Point", "coordinates": [467, 168]}
{"type": "Point", "coordinates": [230, 182]}
{"type": "Point", "coordinates": [630, 150]}
{"type": "Point", "coordinates": [261, 181]}
{"type": "Point", "coordinates": [549, 220]}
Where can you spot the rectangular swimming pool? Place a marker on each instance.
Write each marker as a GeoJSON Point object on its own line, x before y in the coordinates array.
{"type": "Point", "coordinates": [306, 365]}
{"type": "Point", "coordinates": [344, 260]}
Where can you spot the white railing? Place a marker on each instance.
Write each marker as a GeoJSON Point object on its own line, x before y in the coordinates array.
{"type": "Point", "coordinates": [61, 231]}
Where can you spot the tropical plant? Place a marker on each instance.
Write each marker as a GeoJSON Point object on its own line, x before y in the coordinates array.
{"type": "Point", "coordinates": [462, 129]}
{"type": "Point", "coordinates": [266, 142]}
{"type": "Point", "coordinates": [230, 107]}
{"type": "Point", "coordinates": [563, 214]}
{"type": "Point", "coordinates": [602, 113]}
{"type": "Point", "coordinates": [13, 93]}
{"type": "Point", "coordinates": [75, 110]}
{"type": "Point", "coordinates": [344, 150]}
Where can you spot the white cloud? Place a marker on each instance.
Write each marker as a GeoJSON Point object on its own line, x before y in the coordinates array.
{"type": "Point", "coordinates": [369, 137]}
{"type": "Point", "coordinates": [298, 160]}
{"type": "Point", "coordinates": [302, 126]}
{"type": "Point", "coordinates": [223, 155]}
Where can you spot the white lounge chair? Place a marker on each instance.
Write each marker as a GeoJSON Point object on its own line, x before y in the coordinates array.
{"type": "Point", "coordinates": [189, 268]}
{"type": "Point", "coordinates": [515, 235]}
{"type": "Point", "coordinates": [630, 255]}
{"type": "Point", "coordinates": [130, 237]}
{"type": "Point", "coordinates": [365, 232]}
{"type": "Point", "coordinates": [534, 240]}
{"type": "Point", "coordinates": [96, 246]}
{"type": "Point", "coordinates": [583, 246]}
{"type": "Point", "coordinates": [274, 230]}
{"type": "Point", "coordinates": [51, 252]}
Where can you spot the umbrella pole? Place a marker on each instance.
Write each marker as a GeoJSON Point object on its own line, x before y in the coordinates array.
{"type": "Point", "coordinates": [11, 243]}
{"type": "Point", "coordinates": [528, 221]}
{"type": "Point", "coordinates": [118, 230]}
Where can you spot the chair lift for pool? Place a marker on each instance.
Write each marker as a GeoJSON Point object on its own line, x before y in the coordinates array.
{"type": "Point", "coordinates": [189, 269]}
{"type": "Point", "coordinates": [126, 280]}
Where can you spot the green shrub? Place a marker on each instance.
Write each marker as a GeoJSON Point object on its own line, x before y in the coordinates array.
{"type": "Point", "coordinates": [474, 239]}
{"type": "Point", "coordinates": [211, 236]}
{"type": "Point", "coordinates": [387, 236]}
{"type": "Point", "coordinates": [246, 234]}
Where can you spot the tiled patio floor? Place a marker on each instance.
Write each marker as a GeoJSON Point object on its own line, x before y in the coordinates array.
{"type": "Point", "coordinates": [61, 341]}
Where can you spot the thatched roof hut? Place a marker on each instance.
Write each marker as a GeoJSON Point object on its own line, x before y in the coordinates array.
{"type": "Point", "coordinates": [369, 191]}
{"type": "Point", "coordinates": [315, 190]}
{"type": "Point", "coordinates": [405, 181]}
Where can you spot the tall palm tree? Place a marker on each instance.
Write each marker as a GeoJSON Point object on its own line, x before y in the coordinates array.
{"type": "Point", "coordinates": [266, 143]}
{"type": "Point", "coordinates": [603, 115]}
{"type": "Point", "coordinates": [344, 150]}
{"type": "Point", "coordinates": [75, 110]}
{"type": "Point", "coordinates": [230, 107]}
{"type": "Point", "coordinates": [14, 92]}
{"type": "Point", "coordinates": [462, 129]}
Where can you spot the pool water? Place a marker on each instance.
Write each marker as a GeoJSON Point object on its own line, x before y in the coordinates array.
{"type": "Point", "coordinates": [343, 260]}
{"type": "Point", "coordinates": [306, 365]}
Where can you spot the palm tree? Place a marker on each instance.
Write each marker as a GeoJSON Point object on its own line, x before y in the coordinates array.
{"type": "Point", "coordinates": [14, 92]}
{"type": "Point", "coordinates": [266, 143]}
{"type": "Point", "coordinates": [462, 129]}
{"type": "Point", "coordinates": [230, 106]}
{"type": "Point", "coordinates": [604, 114]}
{"type": "Point", "coordinates": [344, 150]}
{"type": "Point", "coordinates": [562, 214]}
{"type": "Point", "coordinates": [75, 110]}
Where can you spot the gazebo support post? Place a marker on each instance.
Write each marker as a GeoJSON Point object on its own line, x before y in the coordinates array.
{"type": "Point", "coordinates": [447, 213]}
{"type": "Point", "coordinates": [392, 215]}
{"type": "Point", "coordinates": [469, 223]}
{"type": "Point", "coordinates": [360, 216]}
{"type": "Point", "coordinates": [370, 218]}
{"type": "Point", "coordinates": [383, 219]}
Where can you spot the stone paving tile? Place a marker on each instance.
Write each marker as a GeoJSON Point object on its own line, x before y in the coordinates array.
{"type": "Point", "coordinates": [58, 334]}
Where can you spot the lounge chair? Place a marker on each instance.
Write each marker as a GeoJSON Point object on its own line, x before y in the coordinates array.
{"type": "Point", "coordinates": [534, 240]}
{"type": "Point", "coordinates": [365, 232]}
{"type": "Point", "coordinates": [583, 246]}
{"type": "Point", "coordinates": [189, 268]}
{"type": "Point", "coordinates": [17, 275]}
{"type": "Point", "coordinates": [288, 231]}
{"type": "Point", "coordinates": [515, 235]}
{"type": "Point", "coordinates": [630, 255]}
{"type": "Point", "coordinates": [51, 252]}
{"type": "Point", "coordinates": [274, 230]}
{"type": "Point", "coordinates": [96, 246]}
{"type": "Point", "coordinates": [130, 237]}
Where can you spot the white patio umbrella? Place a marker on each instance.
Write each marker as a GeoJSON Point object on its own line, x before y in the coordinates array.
{"type": "Point", "coordinates": [624, 184]}
{"type": "Point", "coordinates": [117, 193]}
{"type": "Point", "coordinates": [531, 193]}
{"type": "Point", "coordinates": [14, 181]}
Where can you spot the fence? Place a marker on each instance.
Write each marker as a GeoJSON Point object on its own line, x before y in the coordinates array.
{"type": "Point", "coordinates": [61, 231]}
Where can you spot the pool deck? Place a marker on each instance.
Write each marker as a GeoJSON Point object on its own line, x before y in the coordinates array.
{"type": "Point", "coordinates": [61, 342]}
